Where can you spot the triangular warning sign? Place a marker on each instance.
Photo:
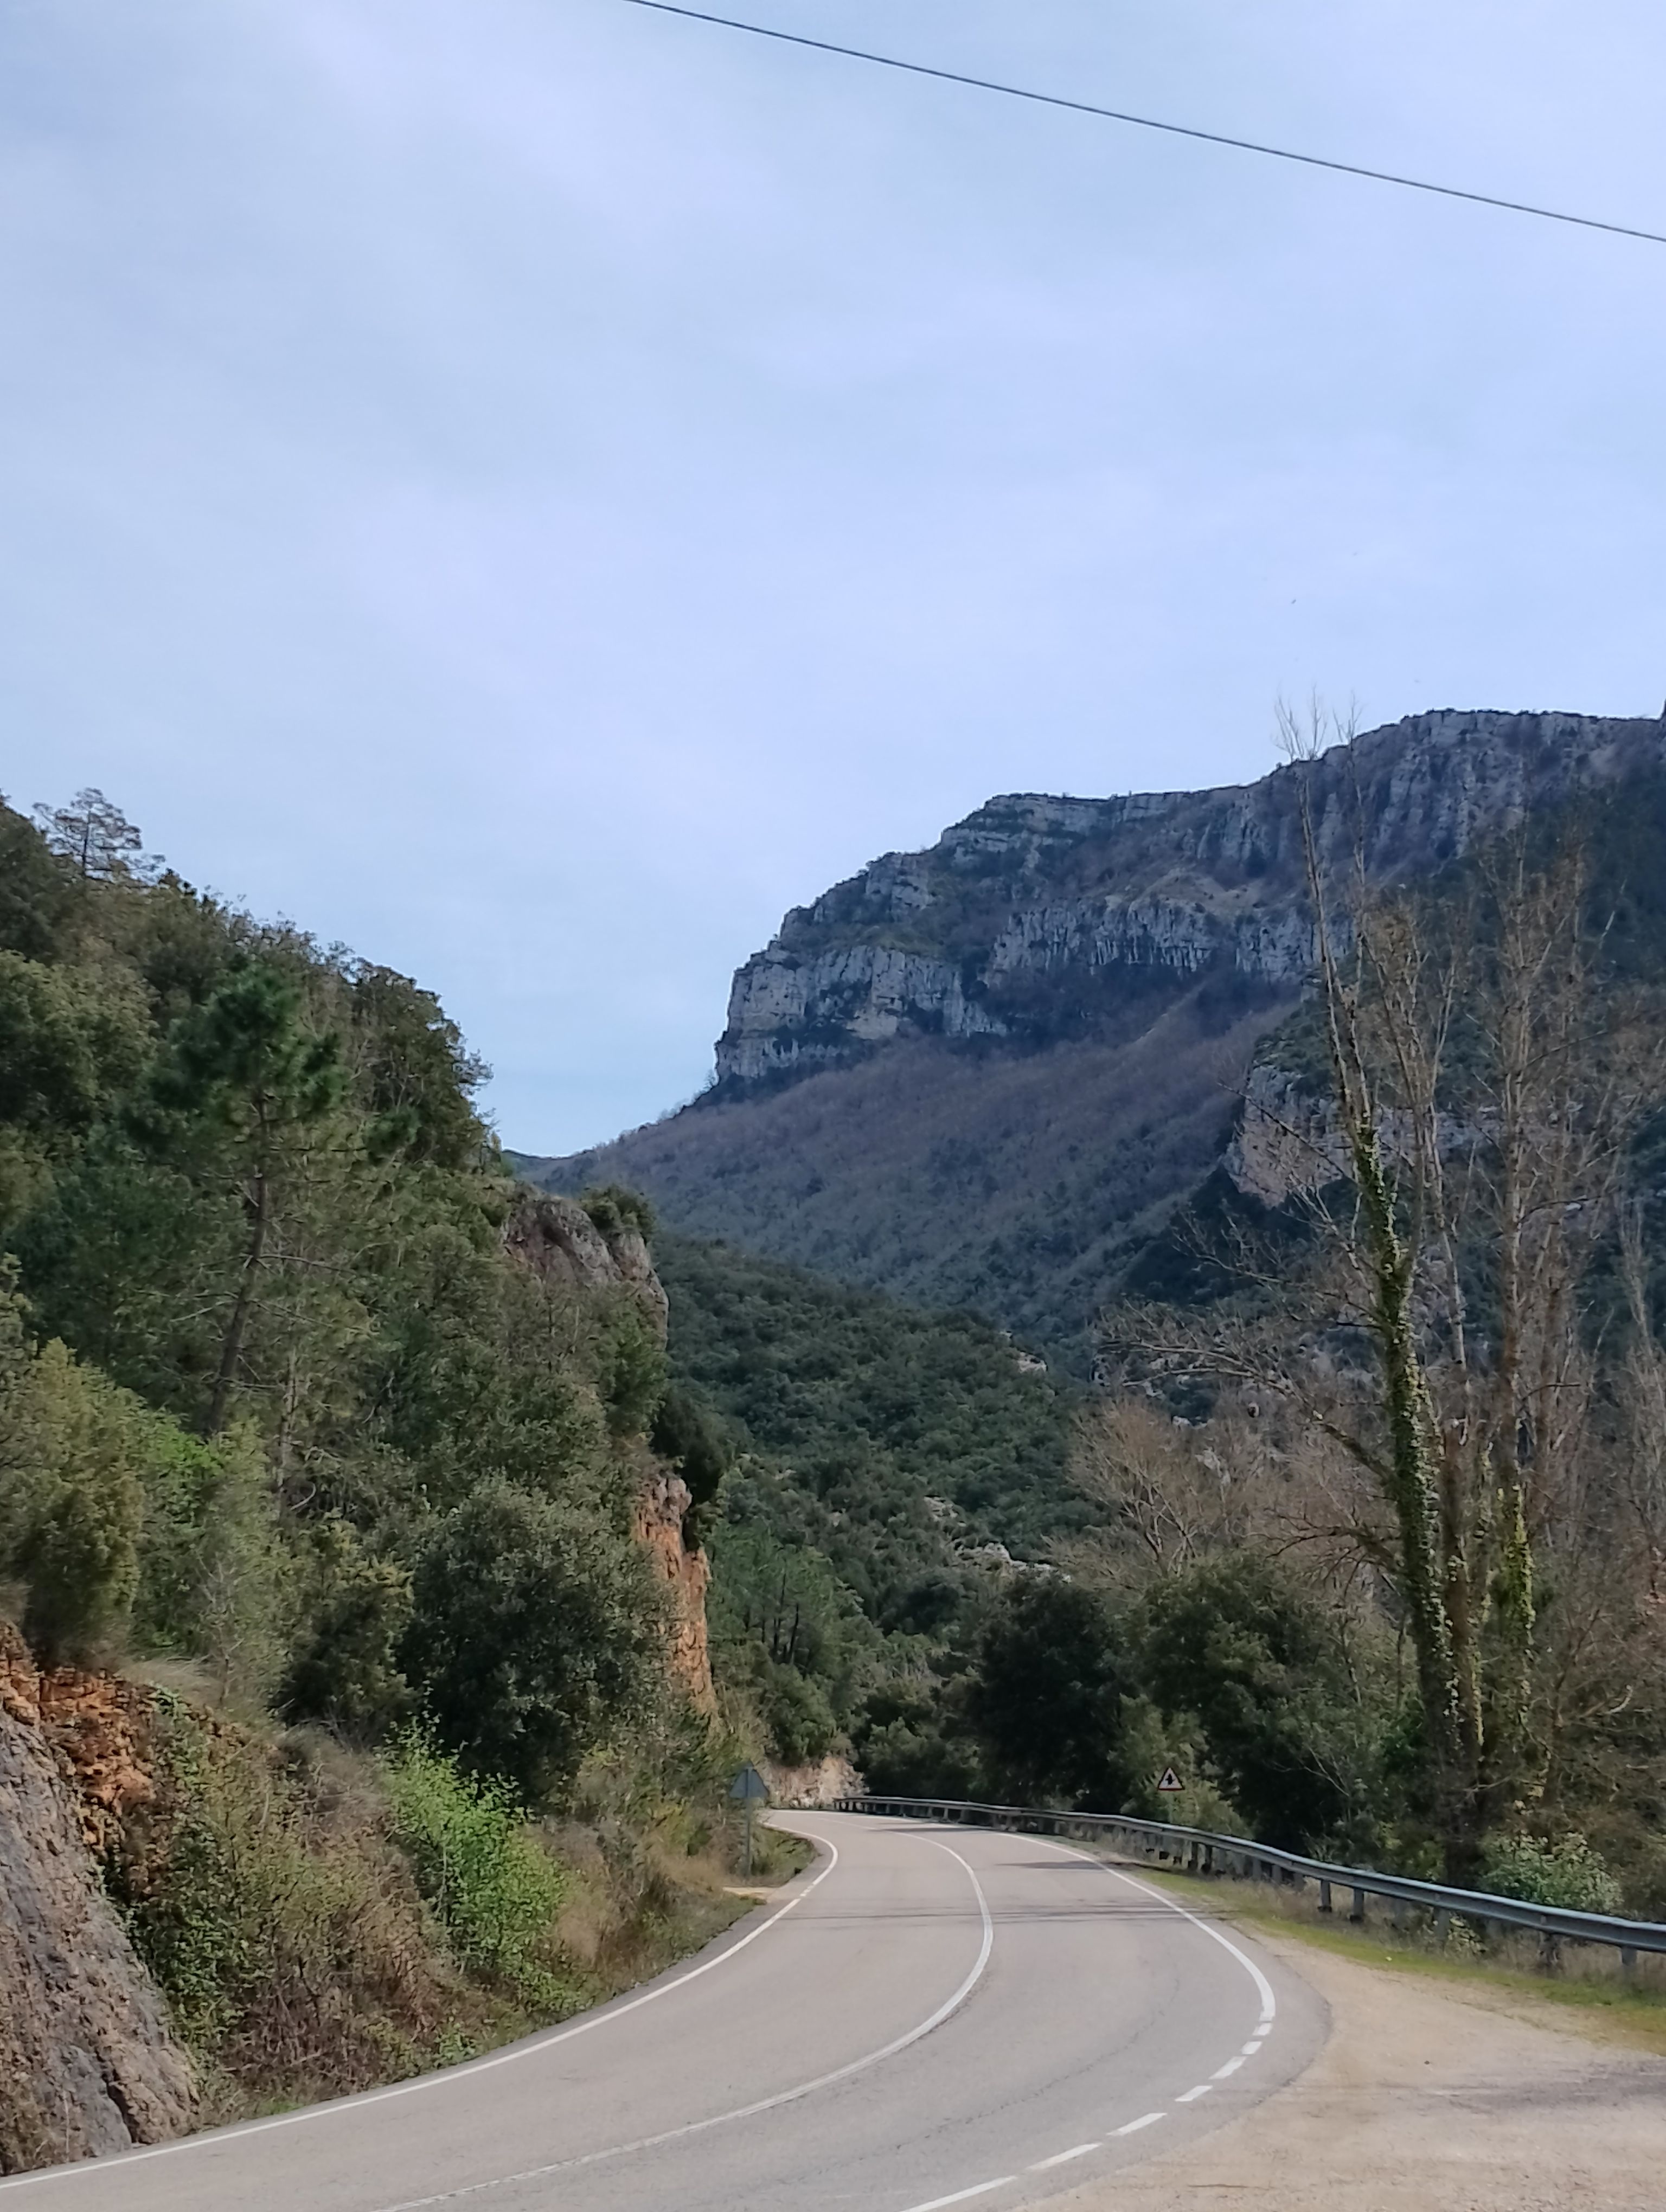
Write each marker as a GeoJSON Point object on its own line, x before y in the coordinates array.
{"type": "Point", "coordinates": [1170, 1781]}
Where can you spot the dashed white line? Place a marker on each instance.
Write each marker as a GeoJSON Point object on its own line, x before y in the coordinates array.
{"type": "Point", "coordinates": [981, 2189]}
{"type": "Point", "coordinates": [1230, 2067]}
{"type": "Point", "coordinates": [1253, 2045]}
{"type": "Point", "coordinates": [1063, 2157]}
{"type": "Point", "coordinates": [1191, 2096]}
{"type": "Point", "coordinates": [1145, 2120]}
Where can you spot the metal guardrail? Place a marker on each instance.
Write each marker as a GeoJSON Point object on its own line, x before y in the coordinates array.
{"type": "Point", "coordinates": [1197, 1852]}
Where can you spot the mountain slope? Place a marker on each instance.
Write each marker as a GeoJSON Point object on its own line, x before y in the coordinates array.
{"type": "Point", "coordinates": [984, 1073]}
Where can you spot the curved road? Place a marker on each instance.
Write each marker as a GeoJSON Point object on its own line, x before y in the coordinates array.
{"type": "Point", "coordinates": [927, 2016]}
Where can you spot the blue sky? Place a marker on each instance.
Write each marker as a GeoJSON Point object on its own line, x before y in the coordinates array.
{"type": "Point", "coordinates": [531, 488]}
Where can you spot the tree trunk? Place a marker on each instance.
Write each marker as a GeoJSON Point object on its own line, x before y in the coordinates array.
{"type": "Point", "coordinates": [231, 1345]}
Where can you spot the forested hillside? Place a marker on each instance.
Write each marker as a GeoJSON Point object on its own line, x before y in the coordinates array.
{"type": "Point", "coordinates": [333, 1459]}
{"type": "Point", "coordinates": [1368, 1516]}
{"type": "Point", "coordinates": [884, 1462]}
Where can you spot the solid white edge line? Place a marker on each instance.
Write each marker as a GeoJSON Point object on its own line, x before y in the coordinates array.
{"type": "Point", "coordinates": [764, 2104]}
{"type": "Point", "coordinates": [1145, 2120]}
{"type": "Point", "coordinates": [1063, 2157]}
{"type": "Point", "coordinates": [446, 2076]}
{"type": "Point", "coordinates": [1191, 2096]}
{"type": "Point", "coordinates": [1270, 2003]}
{"type": "Point", "coordinates": [982, 2189]}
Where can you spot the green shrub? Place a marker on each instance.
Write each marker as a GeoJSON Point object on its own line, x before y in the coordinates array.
{"type": "Point", "coordinates": [355, 1607]}
{"type": "Point", "coordinates": [1567, 1873]}
{"type": "Point", "coordinates": [797, 1714]}
{"type": "Point", "coordinates": [75, 1506]}
{"type": "Point", "coordinates": [494, 1887]}
{"type": "Point", "coordinates": [284, 1930]}
{"type": "Point", "coordinates": [535, 1635]}
{"type": "Point", "coordinates": [613, 1209]}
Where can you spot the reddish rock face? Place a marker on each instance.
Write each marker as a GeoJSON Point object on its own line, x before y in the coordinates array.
{"type": "Point", "coordinates": [558, 1241]}
{"type": "Point", "coordinates": [662, 1505]}
{"type": "Point", "coordinates": [87, 2061]}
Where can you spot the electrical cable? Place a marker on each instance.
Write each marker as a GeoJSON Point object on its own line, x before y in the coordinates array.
{"type": "Point", "coordinates": [1150, 123]}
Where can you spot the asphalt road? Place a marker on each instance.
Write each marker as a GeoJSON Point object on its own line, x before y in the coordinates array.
{"type": "Point", "coordinates": [927, 2016]}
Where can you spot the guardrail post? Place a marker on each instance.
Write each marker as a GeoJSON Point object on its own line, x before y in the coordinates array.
{"type": "Point", "coordinates": [1399, 1915]}
{"type": "Point", "coordinates": [1358, 1911]}
{"type": "Point", "coordinates": [1324, 1897]}
{"type": "Point", "coordinates": [1628, 1962]}
{"type": "Point", "coordinates": [1443, 1923]}
{"type": "Point", "coordinates": [1550, 1951]}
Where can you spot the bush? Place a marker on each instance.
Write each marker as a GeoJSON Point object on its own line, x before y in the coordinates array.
{"type": "Point", "coordinates": [1568, 1873]}
{"type": "Point", "coordinates": [534, 1636]}
{"type": "Point", "coordinates": [71, 1521]}
{"type": "Point", "coordinates": [284, 1931]}
{"type": "Point", "coordinates": [494, 1888]}
{"type": "Point", "coordinates": [797, 1714]}
{"type": "Point", "coordinates": [342, 1668]}
{"type": "Point", "coordinates": [1237, 1645]}
{"type": "Point", "coordinates": [614, 1209]}
{"type": "Point", "coordinates": [1045, 1698]}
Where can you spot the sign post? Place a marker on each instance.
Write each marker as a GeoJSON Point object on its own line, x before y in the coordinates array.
{"type": "Point", "coordinates": [750, 1788]}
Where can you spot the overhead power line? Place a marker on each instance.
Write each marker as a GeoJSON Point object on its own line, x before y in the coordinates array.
{"type": "Point", "coordinates": [1150, 122]}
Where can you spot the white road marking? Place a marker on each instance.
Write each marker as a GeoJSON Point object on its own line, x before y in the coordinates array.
{"type": "Point", "coordinates": [1063, 2157]}
{"type": "Point", "coordinates": [1191, 2096]}
{"type": "Point", "coordinates": [1254, 2045]}
{"type": "Point", "coordinates": [1270, 2003]}
{"type": "Point", "coordinates": [764, 2104]}
{"type": "Point", "coordinates": [1145, 2121]}
{"type": "Point", "coordinates": [1230, 2067]}
{"type": "Point", "coordinates": [448, 2075]}
{"type": "Point", "coordinates": [982, 2189]}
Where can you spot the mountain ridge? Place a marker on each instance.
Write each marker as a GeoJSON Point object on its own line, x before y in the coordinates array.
{"type": "Point", "coordinates": [980, 1073]}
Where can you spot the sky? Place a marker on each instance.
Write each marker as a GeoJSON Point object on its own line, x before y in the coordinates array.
{"type": "Point", "coordinates": [530, 489]}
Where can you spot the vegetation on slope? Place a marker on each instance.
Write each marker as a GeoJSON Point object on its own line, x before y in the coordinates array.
{"type": "Point", "coordinates": [886, 1460]}
{"type": "Point", "coordinates": [1287, 1421]}
{"type": "Point", "coordinates": [1011, 1182]}
{"type": "Point", "coordinates": [285, 1426]}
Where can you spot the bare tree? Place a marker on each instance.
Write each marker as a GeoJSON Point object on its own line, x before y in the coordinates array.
{"type": "Point", "coordinates": [1483, 1087]}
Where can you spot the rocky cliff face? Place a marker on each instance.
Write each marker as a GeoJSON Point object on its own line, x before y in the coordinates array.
{"type": "Point", "coordinates": [558, 1240]}
{"type": "Point", "coordinates": [88, 2063]}
{"type": "Point", "coordinates": [984, 1074]}
{"type": "Point", "coordinates": [1036, 916]}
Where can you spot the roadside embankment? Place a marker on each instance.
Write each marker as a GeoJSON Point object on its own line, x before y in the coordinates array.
{"type": "Point", "coordinates": [1432, 2095]}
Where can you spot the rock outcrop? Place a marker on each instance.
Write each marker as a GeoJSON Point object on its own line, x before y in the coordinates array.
{"type": "Point", "coordinates": [561, 1242]}
{"type": "Point", "coordinates": [1033, 901]}
{"type": "Point", "coordinates": [662, 1522]}
{"type": "Point", "coordinates": [985, 1074]}
{"type": "Point", "coordinates": [87, 2061]}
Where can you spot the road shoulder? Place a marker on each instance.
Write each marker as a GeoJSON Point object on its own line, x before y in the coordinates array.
{"type": "Point", "coordinates": [1425, 2100]}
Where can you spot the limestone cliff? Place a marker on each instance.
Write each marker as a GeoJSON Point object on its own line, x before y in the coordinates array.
{"type": "Point", "coordinates": [560, 1242]}
{"type": "Point", "coordinates": [1033, 904]}
{"type": "Point", "coordinates": [984, 1074]}
{"type": "Point", "coordinates": [87, 2061]}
